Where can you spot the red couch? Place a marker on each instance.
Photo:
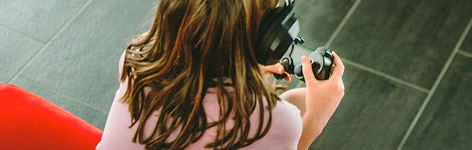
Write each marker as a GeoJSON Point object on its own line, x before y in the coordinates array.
{"type": "Point", "coordinates": [29, 122]}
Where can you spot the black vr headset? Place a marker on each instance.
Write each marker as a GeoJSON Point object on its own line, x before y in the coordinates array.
{"type": "Point", "coordinates": [278, 30]}
{"type": "Point", "coordinates": [277, 33]}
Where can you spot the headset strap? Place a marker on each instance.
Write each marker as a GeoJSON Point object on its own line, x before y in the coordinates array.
{"type": "Point", "coordinates": [285, 3]}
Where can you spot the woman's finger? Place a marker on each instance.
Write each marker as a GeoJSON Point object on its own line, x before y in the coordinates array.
{"type": "Point", "coordinates": [339, 67]}
{"type": "Point", "coordinates": [287, 77]}
{"type": "Point", "coordinates": [273, 69]}
{"type": "Point", "coordinates": [307, 71]}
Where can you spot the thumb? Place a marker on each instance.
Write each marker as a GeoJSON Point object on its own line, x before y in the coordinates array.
{"type": "Point", "coordinates": [307, 71]}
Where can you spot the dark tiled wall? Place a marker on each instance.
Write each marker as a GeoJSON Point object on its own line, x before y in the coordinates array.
{"type": "Point", "coordinates": [408, 63]}
{"type": "Point", "coordinates": [67, 51]}
{"type": "Point", "coordinates": [406, 73]}
{"type": "Point", "coordinates": [445, 123]}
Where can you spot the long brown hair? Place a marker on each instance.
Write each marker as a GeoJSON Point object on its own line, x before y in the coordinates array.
{"type": "Point", "coordinates": [193, 45]}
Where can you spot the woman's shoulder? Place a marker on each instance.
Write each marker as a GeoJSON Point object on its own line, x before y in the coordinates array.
{"type": "Point", "coordinates": [285, 130]}
{"type": "Point", "coordinates": [286, 116]}
{"type": "Point", "coordinates": [287, 108]}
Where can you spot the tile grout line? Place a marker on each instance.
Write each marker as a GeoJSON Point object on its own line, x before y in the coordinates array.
{"type": "Point", "coordinates": [435, 86]}
{"type": "Point", "coordinates": [67, 96]}
{"type": "Point", "coordinates": [464, 53]}
{"type": "Point", "coordinates": [21, 34]}
{"type": "Point", "coordinates": [362, 67]}
{"type": "Point", "coordinates": [384, 75]}
{"type": "Point", "coordinates": [48, 43]}
{"type": "Point", "coordinates": [343, 22]}
{"type": "Point", "coordinates": [338, 28]}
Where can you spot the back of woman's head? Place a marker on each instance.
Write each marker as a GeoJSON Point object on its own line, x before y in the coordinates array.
{"type": "Point", "coordinates": [209, 33]}
{"type": "Point", "coordinates": [193, 45]}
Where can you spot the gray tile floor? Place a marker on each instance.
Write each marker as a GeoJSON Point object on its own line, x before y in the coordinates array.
{"type": "Point", "coordinates": [408, 63]}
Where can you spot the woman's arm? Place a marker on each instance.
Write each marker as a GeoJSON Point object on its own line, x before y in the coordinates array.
{"type": "Point", "coordinates": [320, 101]}
{"type": "Point", "coordinates": [317, 102]}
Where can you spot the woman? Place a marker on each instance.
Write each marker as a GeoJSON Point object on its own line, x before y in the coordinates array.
{"type": "Point", "coordinates": [192, 82]}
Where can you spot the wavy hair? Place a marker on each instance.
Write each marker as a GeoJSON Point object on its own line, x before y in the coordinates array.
{"type": "Point", "coordinates": [193, 45]}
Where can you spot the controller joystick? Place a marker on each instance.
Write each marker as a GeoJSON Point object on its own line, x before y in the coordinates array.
{"type": "Point", "coordinates": [321, 63]}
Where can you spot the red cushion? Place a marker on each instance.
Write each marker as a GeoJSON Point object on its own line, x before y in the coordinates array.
{"type": "Point", "coordinates": [29, 122]}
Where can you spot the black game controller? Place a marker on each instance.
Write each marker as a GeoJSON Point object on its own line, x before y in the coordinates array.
{"type": "Point", "coordinates": [321, 63]}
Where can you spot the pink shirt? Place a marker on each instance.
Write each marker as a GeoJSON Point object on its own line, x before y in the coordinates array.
{"type": "Point", "coordinates": [284, 133]}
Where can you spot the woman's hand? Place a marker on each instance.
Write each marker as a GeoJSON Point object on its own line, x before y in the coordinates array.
{"type": "Point", "coordinates": [325, 94]}
{"type": "Point", "coordinates": [275, 69]}
{"type": "Point", "coordinates": [322, 100]}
